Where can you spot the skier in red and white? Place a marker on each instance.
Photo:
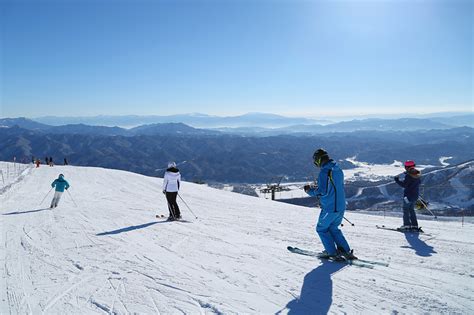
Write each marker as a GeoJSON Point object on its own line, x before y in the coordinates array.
{"type": "Point", "coordinates": [171, 183]}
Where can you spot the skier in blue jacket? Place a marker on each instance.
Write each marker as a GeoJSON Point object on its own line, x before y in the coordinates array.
{"type": "Point", "coordinates": [330, 190]}
{"type": "Point", "coordinates": [60, 183]}
{"type": "Point", "coordinates": [411, 192]}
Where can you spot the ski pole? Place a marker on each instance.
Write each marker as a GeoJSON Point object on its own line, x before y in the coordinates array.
{"type": "Point", "coordinates": [426, 207]}
{"type": "Point", "coordinates": [187, 205]}
{"type": "Point", "coordinates": [171, 210]}
{"type": "Point", "coordinates": [46, 196]}
{"type": "Point", "coordinates": [349, 221]}
{"type": "Point", "coordinates": [71, 198]}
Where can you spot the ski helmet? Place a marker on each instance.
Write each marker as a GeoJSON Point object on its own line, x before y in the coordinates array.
{"type": "Point", "coordinates": [319, 157]}
{"type": "Point", "coordinates": [171, 164]}
{"type": "Point", "coordinates": [409, 164]}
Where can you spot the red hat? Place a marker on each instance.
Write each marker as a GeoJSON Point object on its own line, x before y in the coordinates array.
{"type": "Point", "coordinates": [409, 164]}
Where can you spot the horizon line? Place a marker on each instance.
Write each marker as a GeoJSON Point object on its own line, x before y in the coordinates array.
{"type": "Point", "coordinates": [286, 115]}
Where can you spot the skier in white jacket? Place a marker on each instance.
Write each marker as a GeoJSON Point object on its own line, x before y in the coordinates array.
{"type": "Point", "coordinates": [171, 182]}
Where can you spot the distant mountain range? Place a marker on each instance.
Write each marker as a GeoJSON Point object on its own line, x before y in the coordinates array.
{"type": "Point", "coordinates": [274, 123]}
{"type": "Point", "coordinates": [249, 125]}
{"type": "Point", "coordinates": [81, 129]}
{"type": "Point", "coordinates": [195, 120]}
{"type": "Point", "coordinates": [402, 124]}
{"type": "Point", "coordinates": [215, 157]}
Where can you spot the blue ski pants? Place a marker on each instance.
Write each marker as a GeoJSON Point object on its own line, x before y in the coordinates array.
{"type": "Point", "coordinates": [409, 215]}
{"type": "Point", "coordinates": [329, 233]}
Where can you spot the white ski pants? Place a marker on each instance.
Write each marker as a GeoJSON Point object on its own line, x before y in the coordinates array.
{"type": "Point", "coordinates": [56, 198]}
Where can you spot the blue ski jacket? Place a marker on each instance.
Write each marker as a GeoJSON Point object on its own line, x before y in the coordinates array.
{"type": "Point", "coordinates": [330, 188]}
{"type": "Point", "coordinates": [60, 183]}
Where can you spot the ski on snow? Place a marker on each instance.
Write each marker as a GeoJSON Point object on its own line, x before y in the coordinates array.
{"type": "Point", "coordinates": [353, 262]}
{"type": "Point", "coordinates": [161, 216]}
{"type": "Point", "coordinates": [383, 227]}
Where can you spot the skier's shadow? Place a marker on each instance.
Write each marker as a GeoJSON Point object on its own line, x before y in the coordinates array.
{"type": "Point", "coordinates": [127, 229]}
{"type": "Point", "coordinates": [316, 293]}
{"type": "Point", "coordinates": [420, 247]}
{"type": "Point", "coordinates": [25, 212]}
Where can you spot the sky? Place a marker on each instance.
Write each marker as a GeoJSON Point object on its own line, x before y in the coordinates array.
{"type": "Point", "coordinates": [296, 58]}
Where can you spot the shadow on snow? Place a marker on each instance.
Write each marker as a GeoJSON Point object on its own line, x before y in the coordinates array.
{"type": "Point", "coordinates": [420, 246]}
{"type": "Point", "coordinates": [24, 212]}
{"type": "Point", "coordinates": [316, 293]}
{"type": "Point", "coordinates": [127, 229]}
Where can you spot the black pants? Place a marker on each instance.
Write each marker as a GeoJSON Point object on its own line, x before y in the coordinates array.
{"type": "Point", "coordinates": [172, 205]}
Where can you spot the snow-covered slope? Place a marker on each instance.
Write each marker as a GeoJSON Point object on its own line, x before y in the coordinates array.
{"type": "Point", "coordinates": [110, 255]}
{"type": "Point", "coordinates": [11, 173]}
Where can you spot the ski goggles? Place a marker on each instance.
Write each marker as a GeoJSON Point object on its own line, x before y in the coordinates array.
{"type": "Point", "coordinates": [317, 161]}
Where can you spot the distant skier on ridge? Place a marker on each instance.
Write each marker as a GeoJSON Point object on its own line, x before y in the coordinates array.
{"type": "Point", "coordinates": [60, 183]}
{"type": "Point", "coordinates": [411, 184]}
{"type": "Point", "coordinates": [330, 190]}
{"type": "Point", "coordinates": [171, 183]}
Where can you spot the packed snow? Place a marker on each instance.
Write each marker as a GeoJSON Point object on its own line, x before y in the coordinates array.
{"type": "Point", "coordinates": [11, 173]}
{"type": "Point", "coordinates": [109, 254]}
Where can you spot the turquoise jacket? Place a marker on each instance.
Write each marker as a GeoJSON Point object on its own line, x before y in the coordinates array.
{"type": "Point", "coordinates": [60, 183]}
{"type": "Point", "coordinates": [330, 188]}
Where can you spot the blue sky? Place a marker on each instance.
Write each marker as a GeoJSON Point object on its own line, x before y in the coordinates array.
{"type": "Point", "coordinates": [299, 58]}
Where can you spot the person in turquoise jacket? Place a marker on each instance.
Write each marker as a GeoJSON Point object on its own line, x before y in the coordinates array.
{"type": "Point", "coordinates": [330, 191]}
{"type": "Point", "coordinates": [60, 183]}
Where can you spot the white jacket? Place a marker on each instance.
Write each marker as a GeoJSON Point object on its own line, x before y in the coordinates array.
{"type": "Point", "coordinates": [171, 181]}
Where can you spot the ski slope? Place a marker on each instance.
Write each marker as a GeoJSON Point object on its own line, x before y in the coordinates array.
{"type": "Point", "coordinates": [110, 255]}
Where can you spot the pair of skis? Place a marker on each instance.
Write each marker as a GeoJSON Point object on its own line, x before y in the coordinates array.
{"type": "Point", "coordinates": [353, 262]}
{"type": "Point", "coordinates": [356, 262]}
{"type": "Point", "coordinates": [161, 216]}
{"type": "Point", "coordinates": [416, 230]}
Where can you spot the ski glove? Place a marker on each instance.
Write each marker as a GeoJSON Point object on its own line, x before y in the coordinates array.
{"type": "Point", "coordinates": [164, 192]}
{"type": "Point", "coordinates": [306, 188]}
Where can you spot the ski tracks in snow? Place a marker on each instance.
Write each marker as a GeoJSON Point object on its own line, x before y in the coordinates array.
{"type": "Point", "coordinates": [106, 256]}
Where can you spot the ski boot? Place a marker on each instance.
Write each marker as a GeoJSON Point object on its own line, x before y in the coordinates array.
{"type": "Point", "coordinates": [325, 255]}
{"type": "Point", "coordinates": [348, 255]}
{"type": "Point", "coordinates": [404, 228]}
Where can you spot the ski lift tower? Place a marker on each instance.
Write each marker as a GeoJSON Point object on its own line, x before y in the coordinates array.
{"type": "Point", "coordinates": [272, 188]}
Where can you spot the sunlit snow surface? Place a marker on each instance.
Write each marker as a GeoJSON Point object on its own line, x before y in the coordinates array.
{"type": "Point", "coordinates": [111, 255]}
